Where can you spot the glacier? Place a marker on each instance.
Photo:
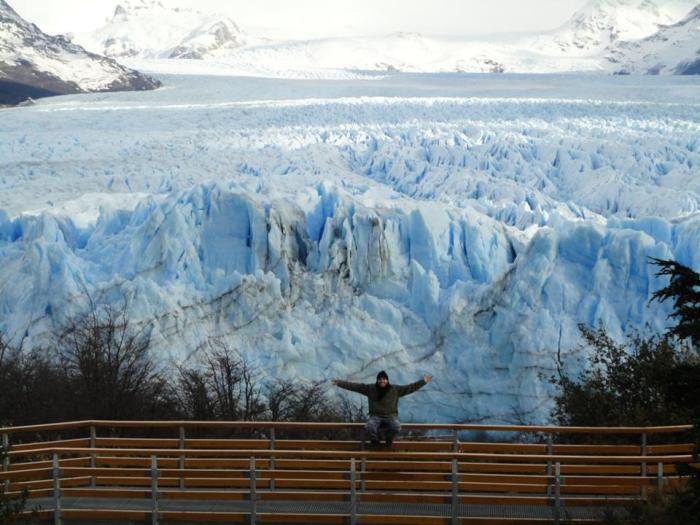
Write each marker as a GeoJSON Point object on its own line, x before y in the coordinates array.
{"type": "Point", "coordinates": [454, 224]}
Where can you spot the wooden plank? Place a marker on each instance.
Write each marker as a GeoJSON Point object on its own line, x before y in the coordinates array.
{"type": "Point", "coordinates": [37, 493]}
{"type": "Point", "coordinates": [679, 448]}
{"type": "Point", "coordinates": [514, 521]}
{"type": "Point", "coordinates": [30, 447]}
{"type": "Point", "coordinates": [389, 497]}
{"type": "Point", "coordinates": [329, 426]}
{"type": "Point", "coordinates": [223, 495]}
{"type": "Point", "coordinates": [136, 442]}
{"type": "Point", "coordinates": [224, 482]}
{"type": "Point", "coordinates": [194, 516]}
{"type": "Point", "coordinates": [231, 463]}
{"type": "Point", "coordinates": [510, 468]}
{"type": "Point", "coordinates": [631, 481]}
{"type": "Point", "coordinates": [599, 489]}
{"type": "Point", "coordinates": [33, 429]}
{"type": "Point", "coordinates": [383, 519]}
{"type": "Point", "coordinates": [47, 483]}
{"type": "Point", "coordinates": [247, 444]}
{"type": "Point", "coordinates": [134, 481]}
{"type": "Point", "coordinates": [312, 483]}
{"type": "Point", "coordinates": [511, 448]}
{"type": "Point", "coordinates": [17, 475]}
{"type": "Point", "coordinates": [517, 488]}
{"type": "Point", "coordinates": [403, 456]}
{"type": "Point", "coordinates": [107, 471]}
{"type": "Point", "coordinates": [132, 461]}
{"type": "Point", "coordinates": [104, 514]}
{"type": "Point", "coordinates": [205, 473]}
{"type": "Point", "coordinates": [596, 450]}
{"type": "Point", "coordinates": [105, 493]}
{"type": "Point", "coordinates": [313, 464]}
{"type": "Point", "coordinates": [301, 495]}
{"type": "Point", "coordinates": [502, 499]}
{"type": "Point", "coordinates": [300, 518]}
{"type": "Point", "coordinates": [600, 469]}
{"type": "Point", "coordinates": [66, 462]}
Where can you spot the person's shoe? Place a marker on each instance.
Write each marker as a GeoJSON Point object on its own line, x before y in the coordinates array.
{"type": "Point", "coordinates": [389, 441]}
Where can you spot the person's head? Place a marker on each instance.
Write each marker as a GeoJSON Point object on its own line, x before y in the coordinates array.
{"type": "Point", "coordinates": [382, 379]}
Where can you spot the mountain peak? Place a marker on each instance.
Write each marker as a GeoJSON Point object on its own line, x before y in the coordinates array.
{"type": "Point", "coordinates": [119, 12]}
{"type": "Point", "coordinates": [34, 64]}
{"type": "Point", "coordinates": [149, 29]}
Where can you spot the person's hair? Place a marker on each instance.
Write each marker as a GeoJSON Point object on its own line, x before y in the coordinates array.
{"type": "Point", "coordinates": [381, 392]}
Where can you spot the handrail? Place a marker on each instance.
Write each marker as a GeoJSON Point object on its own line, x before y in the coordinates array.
{"type": "Point", "coordinates": [340, 425]}
{"type": "Point", "coordinates": [347, 454]}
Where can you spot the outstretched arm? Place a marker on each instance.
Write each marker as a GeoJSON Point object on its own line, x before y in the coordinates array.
{"type": "Point", "coordinates": [354, 387]}
{"type": "Point", "coordinates": [404, 390]}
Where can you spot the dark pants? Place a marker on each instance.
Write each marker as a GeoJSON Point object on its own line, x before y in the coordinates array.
{"type": "Point", "coordinates": [390, 425]}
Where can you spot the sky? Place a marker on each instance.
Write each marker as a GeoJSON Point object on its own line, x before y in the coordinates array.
{"type": "Point", "coordinates": [326, 18]}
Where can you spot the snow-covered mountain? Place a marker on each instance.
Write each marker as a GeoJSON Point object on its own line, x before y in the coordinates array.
{"type": "Point", "coordinates": [34, 64]}
{"type": "Point", "coordinates": [673, 49]}
{"type": "Point", "coordinates": [586, 42]}
{"type": "Point", "coordinates": [148, 29]}
{"type": "Point", "coordinates": [601, 23]}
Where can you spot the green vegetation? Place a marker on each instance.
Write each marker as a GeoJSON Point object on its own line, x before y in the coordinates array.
{"type": "Point", "coordinates": [652, 380]}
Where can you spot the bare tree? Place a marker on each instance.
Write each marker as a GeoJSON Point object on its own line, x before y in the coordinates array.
{"type": "Point", "coordinates": [108, 368]}
{"type": "Point", "coordinates": [221, 385]}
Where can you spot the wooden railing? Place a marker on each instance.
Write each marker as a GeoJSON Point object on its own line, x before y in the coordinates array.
{"type": "Point", "coordinates": [431, 479]}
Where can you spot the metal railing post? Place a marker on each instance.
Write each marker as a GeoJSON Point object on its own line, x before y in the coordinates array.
{"type": "Point", "coordinates": [253, 494]}
{"type": "Point", "coordinates": [557, 492]}
{"type": "Point", "coordinates": [6, 448]}
{"type": "Point", "coordinates": [455, 492]}
{"type": "Point", "coordinates": [271, 464]}
{"type": "Point", "coordinates": [6, 459]}
{"type": "Point", "coordinates": [154, 490]}
{"type": "Point", "coordinates": [363, 470]}
{"type": "Point", "coordinates": [353, 493]}
{"type": "Point", "coordinates": [93, 463]}
{"type": "Point", "coordinates": [181, 461]}
{"type": "Point", "coordinates": [659, 479]}
{"type": "Point", "coordinates": [455, 440]}
{"type": "Point", "coordinates": [57, 518]}
{"type": "Point", "coordinates": [643, 469]}
{"type": "Point", "coordinates": [550, 451]}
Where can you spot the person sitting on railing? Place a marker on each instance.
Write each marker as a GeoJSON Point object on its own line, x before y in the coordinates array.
{"type": "Point", "coordinates": [383, 399]}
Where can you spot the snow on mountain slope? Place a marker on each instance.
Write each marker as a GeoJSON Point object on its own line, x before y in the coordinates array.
{"type": "Point", "coordinates": [673, 49]}
{"type": "Point", "coordinates": [601, 23]}
{"type": "Point", "coordinates": [346, 232]}
{"type": "Point", "coordinates": [148, 29]}
{"type": "Point", "coordinates": [35, 64]}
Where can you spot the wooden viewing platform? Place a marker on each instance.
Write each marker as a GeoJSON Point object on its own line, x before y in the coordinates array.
{"type": "Point", "coordinates": [89, 472]}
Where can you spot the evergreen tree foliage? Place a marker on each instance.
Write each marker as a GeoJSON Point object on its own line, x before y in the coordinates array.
{"type": "Point", "coordinates": [684, 290]}
{"type": "Point", "coordinates": [634, 383]}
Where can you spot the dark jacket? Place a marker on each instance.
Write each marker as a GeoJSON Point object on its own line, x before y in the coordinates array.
{"type": "Point", "coordinates": [389, 404]}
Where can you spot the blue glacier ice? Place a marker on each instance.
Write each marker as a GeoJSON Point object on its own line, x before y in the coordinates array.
{"type": "Point", "coordinates": [332, 229]}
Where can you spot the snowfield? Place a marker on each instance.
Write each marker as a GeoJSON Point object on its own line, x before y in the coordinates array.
{"type": "Point", "coordinates": [461, 225]}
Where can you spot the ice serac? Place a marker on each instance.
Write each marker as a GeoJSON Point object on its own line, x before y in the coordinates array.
{"type": "Point", "coordinates": [148, 29]}
{"type": "Point", "coordinates": [322, 285]}
{"type": "Point", "coordinates": [34, 64]}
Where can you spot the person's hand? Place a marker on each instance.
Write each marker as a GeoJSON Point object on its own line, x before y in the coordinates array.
{"type": "Point", "coordinates": [427, 378]}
